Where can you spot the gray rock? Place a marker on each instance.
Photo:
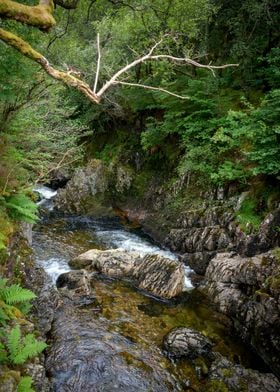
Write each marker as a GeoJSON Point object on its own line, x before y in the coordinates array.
{"type": "Point", "coordinates": [159, 275]}
{"type": "Point", "coordinates": [246, 289]}
{"type": "Point", "coordinates": [113, 262]}
{"type": "Point", "coordinates": [185, 342]}
{"type": "Point", "coordinates": [75, 285]}
{"type": "Point", "coordinates": [236, 378]}
{"type": "Point", "coordinates": [84, 193]}
{"type": "Point", "coordinates": [198, 261]}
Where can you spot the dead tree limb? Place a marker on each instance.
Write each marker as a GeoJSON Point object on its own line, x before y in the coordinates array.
{"type": "Point", "coordinates": [74, 82]}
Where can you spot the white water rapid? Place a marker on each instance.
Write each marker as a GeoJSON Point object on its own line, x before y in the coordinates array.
{"type": "Point", "coordinates": [105, 233]}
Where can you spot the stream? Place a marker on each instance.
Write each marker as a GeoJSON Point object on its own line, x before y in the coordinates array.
{"type": "Point", "coordinates": [115, 343]}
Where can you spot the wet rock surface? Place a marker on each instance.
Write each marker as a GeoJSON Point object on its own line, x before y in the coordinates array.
{"type": "Point", "coordinates": [236, 378]}
{"type": "Point", "coordinates": [85, 355]}
{"type": "Point", "coordinates": [84, 192]}
{"type": "Point", "coordinates": [246, 290]}
{"type": "Point", "coordinates": [158, 275]}
{"type": "Point", "coordinates": [185, 342]}
{"type": "Point", "coordinates": [220, 373]}
{"type": "Point", "coordinates": [112, 262]}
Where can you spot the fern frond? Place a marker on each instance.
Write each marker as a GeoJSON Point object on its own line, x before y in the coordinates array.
{"type": "Point", "coordinates": [24, 307]}
{"type": "Point", "coordinates": [13, 342]}
{"type": "Point", "coordinates": [16, 294]}
{"type": "Point", "coordinates": [25, 384]}
{"type": "Point", "coordinates": [21, 349]}
{"type": "Point", "coordinates": [22, 208]}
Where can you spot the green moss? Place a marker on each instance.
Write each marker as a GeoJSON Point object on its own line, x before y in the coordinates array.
{"type": "Point", "coordinates": [275, 282]}
{"type": "Point", "coordinates": [216, 386]}
{"type": "Point", "coordinates": [276, 253]}
{"type": "Point", "coordinates": [135, 362]}
{"type": "Point", "coordinates": [6, 229]}
{"type": "Point", "coordinates": [227, 372]}
{"type": "Point", "coordinates": [201, 363]}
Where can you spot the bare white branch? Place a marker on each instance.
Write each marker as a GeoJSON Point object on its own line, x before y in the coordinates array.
{"type": "Point", "coordinates": [150, 56]}
{"type": "Point", "coordinates": [98, 64]}
{"type": "Point", "coordinates": [151, 88]}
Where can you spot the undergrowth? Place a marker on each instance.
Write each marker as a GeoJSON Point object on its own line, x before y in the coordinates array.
{"type": "Point", "coordinates": [16, 347]}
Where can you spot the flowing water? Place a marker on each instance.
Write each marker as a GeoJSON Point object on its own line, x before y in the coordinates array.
{"type": "Point", "coordinates": [116, 342]}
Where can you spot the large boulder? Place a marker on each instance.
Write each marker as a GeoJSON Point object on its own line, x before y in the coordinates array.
{"type": "Point", "coordinates": [117, 263]}
{"type": "Point", "coordinates": [157, 274]}
{"type": "Point", "coordinates": [86, 191]}
{"type": "Point", "coordinates": [91, 188]}
{"type": "Point", "coordinates": [186, 342]}
{"type": "Point", "coordinates": [248, 290]}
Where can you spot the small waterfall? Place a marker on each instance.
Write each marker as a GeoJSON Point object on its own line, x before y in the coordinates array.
{"type": "Point", "coordinates": [46, 195]}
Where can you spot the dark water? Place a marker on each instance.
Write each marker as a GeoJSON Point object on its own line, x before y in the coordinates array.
{"type": "Point", "coordinates": [116, 343]}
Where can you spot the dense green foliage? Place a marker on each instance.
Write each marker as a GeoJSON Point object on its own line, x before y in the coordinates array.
{"type": "Point", "coordinates": [226, 132]}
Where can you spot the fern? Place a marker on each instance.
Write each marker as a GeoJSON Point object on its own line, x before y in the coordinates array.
{"type": "Point", "coordinates": [25, 384]}
{"type": "Point", "coordinates": [24, 307]}
{"type": "Point", "coordinates": [10, 296]}
{"type": "Point", "coordinates": [13, 342]}
{"type": "Point", "coordinates": [21, 348]}
{"type": "Point", "coordinates": [16, 294]}
{"type": "Point", "coordinates": [20, 207]}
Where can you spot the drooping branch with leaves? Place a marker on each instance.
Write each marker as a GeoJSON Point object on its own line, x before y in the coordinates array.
{"type": "Point", "coordinates": [41, 16]}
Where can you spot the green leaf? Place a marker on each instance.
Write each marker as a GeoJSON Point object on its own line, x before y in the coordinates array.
{"type": "Point", "coordinates": [25, 384]}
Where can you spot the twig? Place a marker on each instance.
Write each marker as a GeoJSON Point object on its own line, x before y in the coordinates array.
{"type": "Point", "coordinates": [151, 88]}
{"type": "Point", "coordinates": [98, 64]}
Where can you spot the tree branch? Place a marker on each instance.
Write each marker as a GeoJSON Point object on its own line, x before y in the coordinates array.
{"type": "Point", "coordinates": [25, 49]}
{"type": "Point", "coordinates": [68, 79]}
{"type": "Point", "coordinates": [98, 64]}
{"type": "Point", "coordinates": [150, 56]}
{"type": "Point", "coordinates": [191, 62]}
{"type": "Point", "coordinates": [38, 15]}
{"type": "Point", "coordinates": [151, 88]}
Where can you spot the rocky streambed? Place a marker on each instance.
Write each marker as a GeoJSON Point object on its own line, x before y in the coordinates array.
{"type": "Point", "coordinates": [107, 332]}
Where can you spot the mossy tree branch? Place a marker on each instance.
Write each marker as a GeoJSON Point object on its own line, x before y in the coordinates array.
{"type": "Point", "coordinates": [26, 50]}
{"type": "Point", "coordinates": [39, 16]}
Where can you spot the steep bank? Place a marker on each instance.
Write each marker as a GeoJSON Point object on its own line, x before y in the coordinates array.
{"type": "Point", "coordinates": [200, 225]}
